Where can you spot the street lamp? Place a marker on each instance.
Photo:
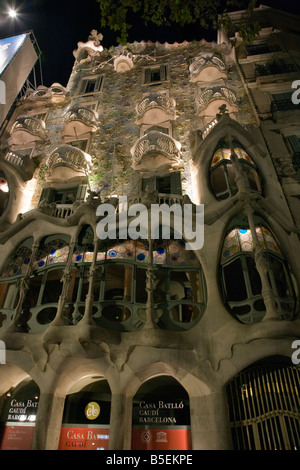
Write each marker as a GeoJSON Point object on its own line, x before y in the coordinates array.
{"type": "Point", "coordinates": [12, 13]}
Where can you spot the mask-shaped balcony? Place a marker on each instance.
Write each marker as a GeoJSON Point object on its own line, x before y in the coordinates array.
{"type": "Point", "coordinates": [84, 120]}
{"type": "Point", "coordinates": [27, 130]}
{"type": "Point", "coordinates": [207, 68]}
{"type": "Point", "coordinates": [43, 95]}
{"type": "Point", "coordinates": [67, 162]}
{"type": "Point", "coordinates": [156, 152]}
{"type": "Point", "coordinates": [21, 162]}
{"type": "Point", "coordinates": [155, 108]}
{"type": "Point", "coordinates": [123, 62]}
{"type": "Point", "coordinates": [210, 100]}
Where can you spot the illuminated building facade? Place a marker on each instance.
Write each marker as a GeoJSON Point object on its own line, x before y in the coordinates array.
{"type": "Point", "coordinates": [143, 343]}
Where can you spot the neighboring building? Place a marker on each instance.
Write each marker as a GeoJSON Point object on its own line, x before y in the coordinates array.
{"type": "Point", "coordinates": [146, 344]}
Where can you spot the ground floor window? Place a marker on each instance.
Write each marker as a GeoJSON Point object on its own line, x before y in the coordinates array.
{"type": "Point", "coordinates": [86, 418]}
{"type": "Point", "coordinates": [161, 416]}
{"type": "Point", "coordinates": [17, 419]}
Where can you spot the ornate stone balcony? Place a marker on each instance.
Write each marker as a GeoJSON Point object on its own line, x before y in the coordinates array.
{"type": "Point", "coordinates": [156, 108]}
{"type": "Point", "coordinates": [22, 163]}
{"type": "Point", "coordinates": [26, 130]}
{"type": "Point", "coordinates": [207, 68]}
{"type": "Point", "coordinates": [156, 151]}
{"type": "Point", "coordinates": [66, 162]}
{"type": "Point", "coordinates": [14, 159]}
{"type": "Point", "coordinates": [83, 119]}
{"type": "Point", "coordinates": [210, 100]}
{"type": "Point", "coordinates": [56, 93]}
{"type": "Point", "coordinates": [123, 62]}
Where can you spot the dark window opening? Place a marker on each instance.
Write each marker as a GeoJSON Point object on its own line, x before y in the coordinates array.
{"type": "Point", "coordinates": [155, 74]}
{"type": "Point", "coordinates": [91, 85]}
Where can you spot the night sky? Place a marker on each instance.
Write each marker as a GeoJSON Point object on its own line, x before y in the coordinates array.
{"type": "Point", "coordinates": [59, 25]}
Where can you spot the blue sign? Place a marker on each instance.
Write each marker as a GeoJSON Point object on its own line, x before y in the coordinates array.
{"type": "Point", "coordinates": [8, 49]}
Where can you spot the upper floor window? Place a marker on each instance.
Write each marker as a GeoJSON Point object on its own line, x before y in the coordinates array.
{"type": "Point", "coordinates": [39, 304]}
{"type": "Point", "coordinates": [261, 48]}
{"type": "Point", "coordinates": [91, 85]}
{"type": "Point", "coordinates": [282, 102]}
{"type": "Point", "coordinates": [64, 196]}
{"type": "Point", "coordinates": [169, 184]}
{"type": "Point", "coordinates": [223, 172]}
{"type": "Point", "coordinates": [163, 129]}
{"type": "Point", "coordinates": [294, 143]}
{"type": "Point", "coordinates": [241, 281]}
{"type": "Point", "coordinates": [81, 144]}
{"type": "Point", "coordinates": [155, 74]}
{"type": "Point", "coordinates": [274, 67]}
{"type": "Point", "coordinates": [119, 282]}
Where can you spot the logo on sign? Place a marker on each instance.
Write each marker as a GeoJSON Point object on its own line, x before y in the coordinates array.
{"type": "Point", "coordinates": [146, 436]}
{"type": "Point", "coordinates": [161, 437]}
{"type": "Point", "coordinates": [92, 410]}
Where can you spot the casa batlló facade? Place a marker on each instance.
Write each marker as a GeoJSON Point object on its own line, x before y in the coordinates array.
{"type": "Point", "coordinates": [141, 343]}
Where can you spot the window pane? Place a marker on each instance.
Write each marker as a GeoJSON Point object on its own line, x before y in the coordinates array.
{"type": "Point", "coordinates": [53, 286]}
{"type": "Point", "coordinates": [234, 281]}
{"type": "Point", "coordinates": [118, 282]}
{"type": "Point", "coordinates": [231, 177]}
{"type": "Point", "coordinates": [90, 86]}
{"type": "Point", "coordinates": [280, 277]}
{"type": "Point", "coordinates": [185, 285]}
{"type": "Point", "coordinates": [32, 294]}
{"type": "Point", "coordinates": [253, 178]}
{"type": "Point", "coordinates": [140, 286]}
{"type": "Point", "coordinates": [184, 313]}
{"type": "Point", "coordinates": [219, 183]}
{"type": "Point", "coordinates": [254, 276]}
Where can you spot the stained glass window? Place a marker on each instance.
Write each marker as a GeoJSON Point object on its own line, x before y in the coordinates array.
{"type": "Point", "coordinates": [53, 250]}
{"type": "Point", "coordinates": [17, 263]}
{"type": "Point", "coordinates": [223, 172]}
{"type": "Point", "coordinates": [121, 251]}
{"type": "Point", "coordinates": [164, 252]}
{"type": "Point", "coordinates": [240, 239]}
{"type": "Point", "coordinates": [241, 281]}
{"type": "Point", "coordinates": [225, 154]}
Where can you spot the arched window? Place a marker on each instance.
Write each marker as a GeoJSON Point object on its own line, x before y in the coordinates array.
{"type": "Point", "coordinates": [39, 305]}
{"type": "Point", "coordinates": [119, 284]}
{"type": "Point", "coordinates": [14, 268]}
{"type": "Point", "coordinates": [223, 172]}
{"type": "Point", "coordinates": [17, 419]}
{"type": "Point", "coordinates": [161, 416]}
{"type": "Point", "coordinates": [240, 278]}
{"type": "Point", "coordinates": [86, 417]}
{"type": "Point", "coordinates": [264, 406]}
